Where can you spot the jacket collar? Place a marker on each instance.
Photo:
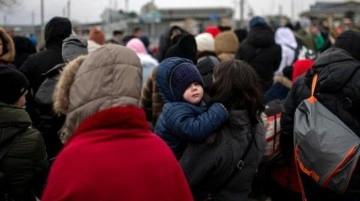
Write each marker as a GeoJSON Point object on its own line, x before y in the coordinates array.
{"type": "Point", "coordinates": [13, 122]}
{"type": "Point", "coordinates": [12, 115]}
{"type": "Point", "coordinates": [121, 117]}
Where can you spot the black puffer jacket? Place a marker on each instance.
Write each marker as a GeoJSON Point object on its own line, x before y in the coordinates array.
{"type": "Point", "coordinates": [25, 165]}
{"type": "Point", "coordinates": [262, 53]}
{"type": "Point", "coordinates": [338, 89]}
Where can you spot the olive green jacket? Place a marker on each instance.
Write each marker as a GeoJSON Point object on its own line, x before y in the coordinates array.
{"type": "Point", "coordinates": [25, 165]}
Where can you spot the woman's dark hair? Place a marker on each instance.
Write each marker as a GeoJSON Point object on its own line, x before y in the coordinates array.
{"type": "Point", "coordinates": [237, 86]}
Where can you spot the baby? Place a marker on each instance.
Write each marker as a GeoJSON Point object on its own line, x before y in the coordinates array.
{"type": "Point", "coordinates": [184, 117]}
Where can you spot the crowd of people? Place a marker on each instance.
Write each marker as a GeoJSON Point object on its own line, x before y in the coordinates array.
{"type": "Point", "coordinates": [96, 119]}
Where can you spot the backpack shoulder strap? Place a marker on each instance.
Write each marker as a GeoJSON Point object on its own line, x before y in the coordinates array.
{"type": "Point", "coordinates": [257, 52]}
{"type": "Point", "coordinates": [290, 47]}
{"type": "Point", "coordinates": [240, 165]}
{"type": "Point", "coordinates": [6, 147]}
{"type": "Point", "coordinates": [312, 98]}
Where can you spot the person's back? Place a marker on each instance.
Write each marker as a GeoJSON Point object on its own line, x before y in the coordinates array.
{"type": "Point", "coordinates": [25, 163]}
{"type": "Point", "coordinates": [148, 63]}
{"type": "Point", "coordinates": [110, 153]}
{"type": "Point", "coordinates": [124, 161]}
{"type": "Point", "coordinates": [183, 117]}
{"type": "Point", "coordinates": [289, 52]}
{"type": "Point", "coordinates": [48, 122]}
{"type": "Point", "coordinates": [228, 149]}
{"type": "Point", "coordinates": [213, 166]}
{"type": "Point", "coordinates": [337, 89]}
{"type": "Point", "coordinates": [260, 51]}
{"type": "Point", "coordinates": [56, 30]}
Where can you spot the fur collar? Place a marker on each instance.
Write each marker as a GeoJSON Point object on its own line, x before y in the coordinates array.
{"type": "Point", "coordinates": [10, 55]}
{"type": "Point", "coordinates": [62, 89]}
{"type": "Point", "coordinates": [283, 80]}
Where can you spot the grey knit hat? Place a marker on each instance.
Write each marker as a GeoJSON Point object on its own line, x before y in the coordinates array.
{"type": "Point", "coordinates": [72, 47]}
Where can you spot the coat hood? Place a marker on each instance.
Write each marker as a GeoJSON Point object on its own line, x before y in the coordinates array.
{"type": "Point", "coordinates": [163, 77]}
{"type": "Point", "coordinates": [9, 48]}
{"type": "Point", "coordinates": [56, 30]}
{"type": "Point", "coordinates": [260, 37]}
{"type": "Point", "coordinates": [110, 76]}
{"type": "Point", "coordinates": [336, 67]}
{"type": "Point", "coordinates": [285, 37]}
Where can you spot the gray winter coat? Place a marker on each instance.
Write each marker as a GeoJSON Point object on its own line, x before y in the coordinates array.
{"type": "Point", "coordinates": [208, 165]}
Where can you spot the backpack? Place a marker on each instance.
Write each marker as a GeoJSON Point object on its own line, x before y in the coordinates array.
{"type": "Point", "coordinates": [43, 96]}
{"type": "Point", "coordinates": [316, 129]}
{"type": "Point", "coordinates": [297, 51]}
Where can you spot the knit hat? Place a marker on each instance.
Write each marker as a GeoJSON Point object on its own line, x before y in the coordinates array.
{"type": "Point", "coordinates": [97, 36]}
{"type": "Point", "coordinates": [185, 47]}
{"type": "Point", "coordinates": [13, 84]}
{"type": "Point", "coordinates": [226, 42]}
{"type": "Point", "coordinates": [257, 22]}
{"type": "Point", "coordinates": [349, 41]}
{"type": "Point", "coordinates": [183, 76]}
{"type": "Point", "coordinates": [205, 42]}
{"type": "Point", "coordinates": [72, 47]}
{"type": "Point", "coordinates": [214, 31]}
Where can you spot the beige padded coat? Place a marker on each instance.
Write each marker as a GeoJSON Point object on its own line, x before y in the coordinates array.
{"type": "Point", "coordinates": [96, 82]}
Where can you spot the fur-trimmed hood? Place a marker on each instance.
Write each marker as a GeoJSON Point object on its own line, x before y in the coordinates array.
{"type": "Point", "coordinates": [283, 80]}
{"type": "Point", "coordinates": [110, 76]}
{"type": "Point", "coordinates": [8, 49]}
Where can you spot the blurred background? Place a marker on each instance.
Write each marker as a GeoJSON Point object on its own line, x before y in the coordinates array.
{"type": "Point", "coordinates": [154, 17]}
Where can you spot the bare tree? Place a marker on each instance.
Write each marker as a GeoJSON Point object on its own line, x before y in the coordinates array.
{"type": "Point", "coordinates": [5, 4]}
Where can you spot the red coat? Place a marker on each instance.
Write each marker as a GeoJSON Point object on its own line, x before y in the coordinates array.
{"type": "Point", "coordinates": [114, 156]}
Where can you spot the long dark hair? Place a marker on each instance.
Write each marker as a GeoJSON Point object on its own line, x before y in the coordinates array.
{"type": "Point", "coordinates": [237, 86]}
